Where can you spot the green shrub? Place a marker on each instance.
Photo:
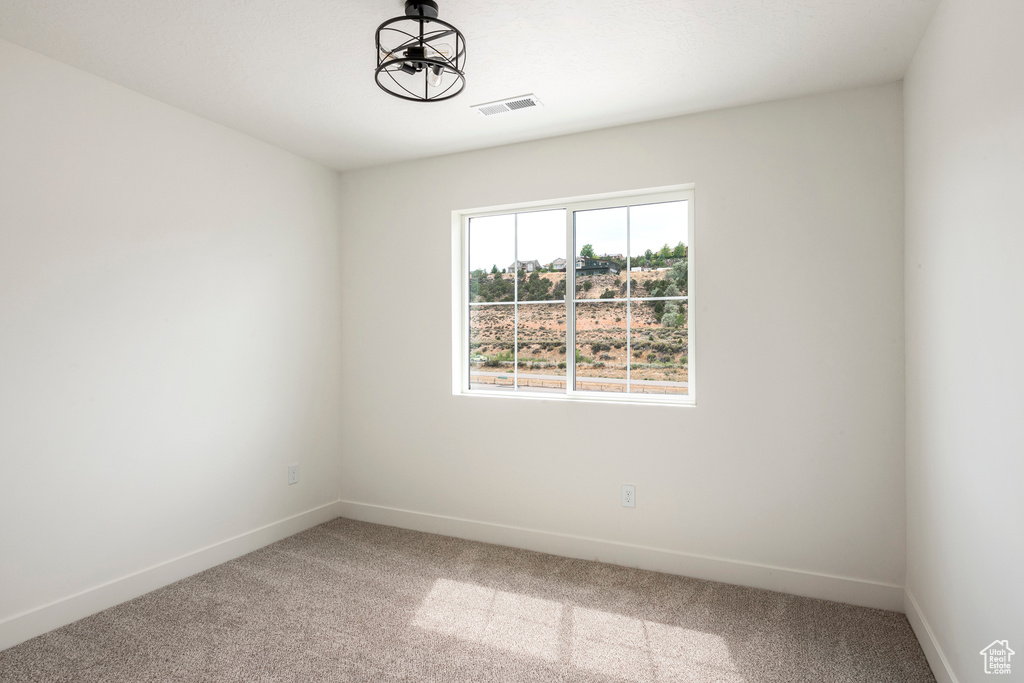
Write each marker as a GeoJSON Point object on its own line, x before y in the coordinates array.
{"type": "Point", "coordinates": [498, 359]}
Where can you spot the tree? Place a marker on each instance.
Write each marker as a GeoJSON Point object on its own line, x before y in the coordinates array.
{"type": "Point", "coordinates": [474, 283]}
{"type": "Point", "coordinates": [491, 288]}
{"type": "Point", "coordinates": [679, 272]}
{"type": "Point", "coordinates": [494, 269]}
{"type": "Point", "coordinates": [668, 319]}
{"type": "Point", "coordinates": [656, 287]}
{"type": "Point", "coordinates": [679, 251]}
{"type": "Point", "coordinates": [665, 252]}
{"type": "Point", "coordinates": [587, 251]}
{"type": "Point", "coordinates": [534, 288]}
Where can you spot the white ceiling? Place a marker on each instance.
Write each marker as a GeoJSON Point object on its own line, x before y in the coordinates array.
{"type": "Point", "coordinates": [299, 73]}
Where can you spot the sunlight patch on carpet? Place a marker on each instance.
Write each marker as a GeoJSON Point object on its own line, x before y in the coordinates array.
{"type": "Point", "coordinates": [499, 619]}
{"type": "Point", "coordinates": [593, 640]}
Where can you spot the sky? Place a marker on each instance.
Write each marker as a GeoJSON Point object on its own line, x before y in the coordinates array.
{"type": "Point", "coordinates": [542, 233]}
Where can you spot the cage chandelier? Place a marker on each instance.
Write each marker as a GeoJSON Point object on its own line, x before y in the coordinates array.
{"type": "Point", "coordinates": [420, 57]}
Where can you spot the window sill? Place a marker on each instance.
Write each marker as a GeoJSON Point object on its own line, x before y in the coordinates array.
{"type": "Point", "coordinates": [620, 399]}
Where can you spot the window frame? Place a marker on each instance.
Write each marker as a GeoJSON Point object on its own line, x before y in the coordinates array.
{"type": "Point", "coordinates": [460, 293]}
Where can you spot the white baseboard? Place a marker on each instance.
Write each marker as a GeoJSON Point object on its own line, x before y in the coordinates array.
{"type": "Point", "coordinates": [21, 627]}
{"type": "Point", "coordinates": [795, 582]}
{"type": "Point", "coordinates": [932, 651]}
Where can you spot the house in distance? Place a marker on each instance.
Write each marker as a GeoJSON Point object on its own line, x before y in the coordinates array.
{"type": "Point", "coordinates": [594, 266]}
{"type": "Point", "coordinates": [528, 266]}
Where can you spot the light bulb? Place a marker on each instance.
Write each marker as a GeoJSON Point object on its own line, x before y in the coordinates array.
{"type": "Point", "coordinates": [441, 51]}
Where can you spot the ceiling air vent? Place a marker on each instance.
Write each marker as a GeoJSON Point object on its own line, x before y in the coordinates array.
{"type": "Point", "coordinates": [507, 105]}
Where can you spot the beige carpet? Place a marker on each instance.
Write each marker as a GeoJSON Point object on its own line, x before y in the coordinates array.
{"type": "Point", "coordinates": [349, 601]}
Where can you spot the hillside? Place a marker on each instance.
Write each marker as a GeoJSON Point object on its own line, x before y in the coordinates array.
{"type": "Point", "coordinates": [658, 343]}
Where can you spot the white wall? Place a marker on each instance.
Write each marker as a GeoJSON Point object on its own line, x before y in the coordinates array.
{"type": "Point", "coordinates": [169, 328]}
{"type": "Point", "coordinates": [965, 333]}
{"type": "Point", "coordinates": [793, 457]}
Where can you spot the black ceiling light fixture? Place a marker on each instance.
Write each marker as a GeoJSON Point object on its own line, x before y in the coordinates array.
{"type": "Point", "coordinates": [420, 57]}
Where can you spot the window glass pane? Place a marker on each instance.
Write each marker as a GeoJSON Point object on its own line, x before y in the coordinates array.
{"type": "Point", "coordinates": [600, 245]}
{"type": "Point", "coordinates": [491, 346]}
{"type": "Point", "coordinates": [601, 346]}
{"type": "Point", "coordinates": [541, 255]}
{"type": "Point", "coordinates": [491, 250]}
{"type": "Point", "coordinates": [658, 236]}
{"type": "Point", "coordinates": [542, 346]}
{"type": "Point", "coordinates": [659, 344]}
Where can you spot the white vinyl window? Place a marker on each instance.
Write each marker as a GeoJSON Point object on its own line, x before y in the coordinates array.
{"type": "Point", "coordinates": [625, 331]}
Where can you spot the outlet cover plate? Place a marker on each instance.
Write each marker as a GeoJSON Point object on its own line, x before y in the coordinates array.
{"type": "Point", "coordinates": [293, 474]}
{"type": "Point", "coordinates": [628, 496]}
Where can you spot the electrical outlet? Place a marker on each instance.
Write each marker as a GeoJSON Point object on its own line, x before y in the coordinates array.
{"type": "Point", "coordinates": [628, 496]}
{"type": "Point", "coordinates": [293, 474]}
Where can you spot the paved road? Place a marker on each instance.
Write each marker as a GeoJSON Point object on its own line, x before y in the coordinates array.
{"type": "Point", "coordinates": [599, 380]}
